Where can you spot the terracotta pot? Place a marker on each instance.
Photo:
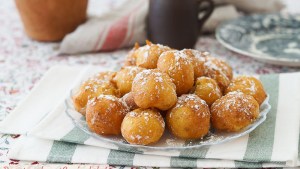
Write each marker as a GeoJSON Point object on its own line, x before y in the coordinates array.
{"type": "Point", "coordinates": [51, 20]}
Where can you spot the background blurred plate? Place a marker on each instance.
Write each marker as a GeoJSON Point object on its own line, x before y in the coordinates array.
{"type": "Point", "coordinates": [272, 38]}
{"type": "Point", "coordinates": [168, 141]}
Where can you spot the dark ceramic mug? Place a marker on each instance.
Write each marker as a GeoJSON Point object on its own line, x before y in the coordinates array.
{"type": "Point", "coordinates": [176, 23]}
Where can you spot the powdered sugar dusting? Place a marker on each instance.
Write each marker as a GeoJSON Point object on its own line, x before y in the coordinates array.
{"type": "Point", "coordinates": [213, 66]}
{"type": "Point", "coordinates": [150, 52]}
{"type": "Point", "coordinates": [108, 97]}
{"type": "Point", "coordinates": [133, 70]}
{"type": "Point", "coordinates": [198, 54]}
{"type": "Point", "coordinates": [158, 77]}
{"type": "Point", "coordinates": [145, 116]}
{"type": "Point", "coordinates": [194, 102]}
{"type": "Point", "coordinates": [218, 70]}
{"type": "Point", "coordinates": [93, 84]}
{"type": "Point", "coordinates": [94, 117]}
{"type": "Point", "coordinates": [248, 83]}
{"type": "Point", "coordinates": [180, 57]}
{"type": "Point", "coordinates": [92, 101]}
{"type": "Point", "coordinates": [234, 102]}
{"type": "Point", "coordinates": [141, 76]}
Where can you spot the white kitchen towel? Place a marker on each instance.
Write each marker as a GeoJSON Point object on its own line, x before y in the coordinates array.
{"type": "Point", "coordinates": [42, 100]}
{"type": "Point", "coordinates": [273, 141]}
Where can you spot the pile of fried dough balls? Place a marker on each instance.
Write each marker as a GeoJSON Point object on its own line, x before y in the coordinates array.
{"type": "Point", "coordinates": [188, 91]}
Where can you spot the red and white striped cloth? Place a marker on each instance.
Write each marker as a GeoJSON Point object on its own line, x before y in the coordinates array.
{"type": "Point", "coordinates": [120, 27]}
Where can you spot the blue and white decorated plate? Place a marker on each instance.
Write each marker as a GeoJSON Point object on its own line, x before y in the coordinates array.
{"type": "Point", "coordinates": [272, 38]}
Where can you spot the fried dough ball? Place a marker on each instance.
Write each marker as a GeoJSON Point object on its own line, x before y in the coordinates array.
{"type": "Point", "coordinates": [105, 76]}
{"type": "Point", "coordinates": [179, 67]}
{"type": "Point", "coordinates": [124, 78]}
{"type": "Point", "coordinates": [129, 100]}
{"type": "Point", "coordinates": [152, 88]}
{"type": "Point", "coordinates": [131, 57]}
{"type": "Point", "coordinates": [248, 85]}
{"type": "Point", "coordinates": [219, 70]}
{"type": "Point", "coordinates": [90, 89]}
{"type": "Point", "coordinates": [104, 114]}
{"type": "Point", "coordinates": [208, 90]}
{"type": "Point", "coordinates": [198, 60]}
{"type": "Point", "coordinates": [143, 126]}
{"type": "Point", "coordinates": [190, 118]}
{"type": "Point", "coordinates": [234, 111]}
{"type": "Point", "coordinates": [148, 55]}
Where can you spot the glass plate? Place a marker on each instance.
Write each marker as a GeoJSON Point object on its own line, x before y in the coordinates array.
{"type": "Point", "coordinates": [168, 141]}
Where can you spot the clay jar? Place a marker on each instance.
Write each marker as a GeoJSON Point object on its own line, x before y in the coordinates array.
{"type": "Point", "coordinates": [51, 20]}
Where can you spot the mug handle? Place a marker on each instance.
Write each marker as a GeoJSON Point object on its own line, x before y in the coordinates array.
{"type": "Point", "coordinates": [206, 9]}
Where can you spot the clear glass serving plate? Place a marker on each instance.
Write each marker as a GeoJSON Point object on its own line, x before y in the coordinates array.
{"type": "Point", "coordinates": [167, 141]}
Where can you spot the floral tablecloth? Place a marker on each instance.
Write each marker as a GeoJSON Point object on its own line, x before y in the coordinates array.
{"type": "Point", "coordinates": [23, 62]}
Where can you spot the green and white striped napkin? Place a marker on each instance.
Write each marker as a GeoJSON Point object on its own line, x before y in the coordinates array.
{"type": "Point", "coordinates": [54, 138]}
{"type": "Point", "coordinates": [29, 148]}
